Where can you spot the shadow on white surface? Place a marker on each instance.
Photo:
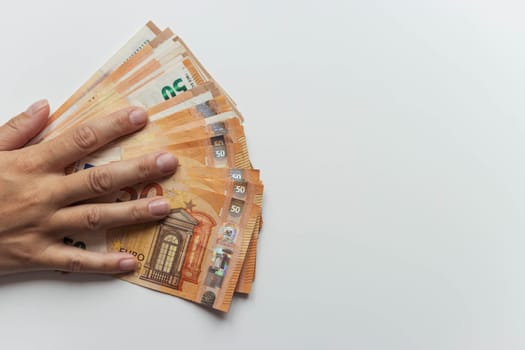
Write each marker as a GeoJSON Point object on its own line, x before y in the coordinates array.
{"type": "Point", "coordinates": [76, 279]}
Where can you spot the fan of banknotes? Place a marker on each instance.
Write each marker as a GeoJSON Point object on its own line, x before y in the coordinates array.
{"type": "Point", "coordinates": [205, 249]}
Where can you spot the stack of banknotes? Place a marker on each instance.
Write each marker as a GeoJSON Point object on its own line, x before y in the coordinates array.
{"type": "Point", "coordinates": [205, 249]}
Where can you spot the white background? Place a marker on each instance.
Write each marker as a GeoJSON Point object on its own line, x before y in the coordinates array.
{"type": "Point", "coordinates": [390, 138]}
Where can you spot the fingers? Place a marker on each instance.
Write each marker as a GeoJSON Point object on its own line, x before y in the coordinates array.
{"type": "Point", "coordinates": [96, 181]}
{"type": "Point", "coordinates": [77, 143]}
{"type": "Point", "coordinates": [97, 217]}
{"type": "Point", "coordinates": [72, 259]}
{"type": "Point", "coordinates": [22, 128]}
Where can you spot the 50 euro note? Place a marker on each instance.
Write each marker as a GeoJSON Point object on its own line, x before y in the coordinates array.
{"type": "Point", "coordinates": [198, 250]}
{"type": "Point", "coordinates": [244, 185]}
{"type": "Point", "coordinates": [240, 189]}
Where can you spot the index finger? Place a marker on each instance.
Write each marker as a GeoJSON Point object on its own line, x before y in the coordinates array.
{"type": "Point", "coordinates": [79, 142]}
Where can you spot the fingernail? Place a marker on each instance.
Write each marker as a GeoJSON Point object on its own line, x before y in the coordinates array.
{"type": "Point", "coordinates": [128, 264]}
{"type": "Point", "coordinates": [166, 162]}
{"type": "Point", "coordinates": [138, 117]}
{"type": "Point", "coordinates": [36, 107]}
{"type": "Point", "coordinates": [159, 207]}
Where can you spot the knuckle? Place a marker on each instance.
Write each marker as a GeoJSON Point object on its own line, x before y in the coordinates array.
{"type": "Point", "coordinates": [100, 181]}
{"type": "Point", "coordinates": [74, 264]}
{"type": "Point", "coordinates": [144, 169]}
{"type": "Point", "coordinates": [25, 254]}
{"type": "Point", "coordinates": [14, 124]}
{"type": "Point", "coordinates": [120, 122]}
{"type": "Point", "coordinates": [85, 137]}
{"type": "Point", "coordinates": [93, 218]}
{"type": "Point", "coordinates": [106, 266]}
{"type": "Point", "coordinates": [136, 214]}
{"type": "Point", "coordinates": [28, 164]}
{"type": "Point", "coordinates": [34, 197]}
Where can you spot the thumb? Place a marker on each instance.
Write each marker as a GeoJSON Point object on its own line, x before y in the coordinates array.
{"type": "Point", "coordinates": [22, 128]}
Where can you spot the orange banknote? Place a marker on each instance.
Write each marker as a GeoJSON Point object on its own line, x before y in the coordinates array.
{"type": "Point", "coordinates": [206, 249]}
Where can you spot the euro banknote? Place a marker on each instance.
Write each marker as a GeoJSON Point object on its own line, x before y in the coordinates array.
{"type": "Point", "coordinates": [205, 250]}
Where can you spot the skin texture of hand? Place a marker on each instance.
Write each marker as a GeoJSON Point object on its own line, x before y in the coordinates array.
{"type": "Point", "coordinates": [39, 205]}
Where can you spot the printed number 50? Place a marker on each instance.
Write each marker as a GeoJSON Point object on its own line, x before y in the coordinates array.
{"type": "Point", "coordinates": [235, 209]}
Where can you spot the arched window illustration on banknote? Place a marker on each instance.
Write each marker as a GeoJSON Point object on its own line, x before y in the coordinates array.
{"type": "Point", "coordinates": [178, 248]}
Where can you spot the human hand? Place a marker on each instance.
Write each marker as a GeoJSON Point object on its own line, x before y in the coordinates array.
{"type": "Point", "coordinates": [39, 204]}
